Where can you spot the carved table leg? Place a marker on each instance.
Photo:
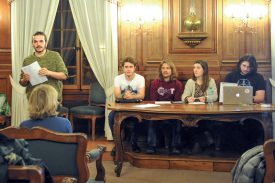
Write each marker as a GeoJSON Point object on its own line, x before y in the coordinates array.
{"type": "Point", "coordinates": [118, 142]}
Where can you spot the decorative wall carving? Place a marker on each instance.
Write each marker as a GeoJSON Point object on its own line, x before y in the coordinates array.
{"type": "Point", "coordinates": [200, 11]}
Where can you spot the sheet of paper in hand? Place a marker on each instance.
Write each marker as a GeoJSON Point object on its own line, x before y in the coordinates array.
{"type": "Point", "coordinates": [33, 70]}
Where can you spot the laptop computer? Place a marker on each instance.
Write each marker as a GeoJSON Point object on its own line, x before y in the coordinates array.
{"type": "Point", "coordinates": [237, 95]}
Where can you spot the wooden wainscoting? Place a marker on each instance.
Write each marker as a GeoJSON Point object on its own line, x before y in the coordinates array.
{"type": "Point", "coordinates": [191, 162]}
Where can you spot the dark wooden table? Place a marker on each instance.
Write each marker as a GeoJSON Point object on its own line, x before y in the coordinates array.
{"type": "Point", "coordinates": [189, 114]}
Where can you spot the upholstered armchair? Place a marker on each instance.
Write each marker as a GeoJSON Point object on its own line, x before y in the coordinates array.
{"type": "Point", "coordinates": [30, 174]}
{"type": "Point", "coordinates": [94, 110]}
{"type": "Point", "coordinates": [269, 154]}
{"type": "Point", "coordinates": [63, 153]}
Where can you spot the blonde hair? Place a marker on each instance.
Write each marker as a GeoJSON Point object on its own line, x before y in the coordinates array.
{"type": "Point", "coordinates": [43, 102]}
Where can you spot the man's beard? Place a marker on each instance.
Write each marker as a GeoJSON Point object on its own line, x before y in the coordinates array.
{"type": "Point", "coordinates": [37, 50]}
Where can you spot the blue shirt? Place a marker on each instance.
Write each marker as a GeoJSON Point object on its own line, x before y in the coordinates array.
{"type": "Point", "coordinates": [58, 124]}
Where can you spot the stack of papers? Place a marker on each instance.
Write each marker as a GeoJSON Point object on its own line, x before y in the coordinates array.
{"type": "Point", "coordinates": [162, 102]}
{"type": "Point", "coordinates": [146, 105]}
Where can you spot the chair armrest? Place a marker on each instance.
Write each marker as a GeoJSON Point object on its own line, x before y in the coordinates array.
{"type": "Point", "coordinates": [96, 155]}
{"type": "Point", "coordinates": [34, 174]}
{"type": "Point", "coordinates": [269, 151]}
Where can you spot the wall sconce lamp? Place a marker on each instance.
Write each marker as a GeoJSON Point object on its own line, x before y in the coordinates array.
{"type": "Point", "coordinates": [139, 14]}
{"type": "Point", "coordinates": [245, 16]}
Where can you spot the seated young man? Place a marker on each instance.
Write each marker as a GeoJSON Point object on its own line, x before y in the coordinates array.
{"type": "Point", "coordinates": [246, 75]}
{"type": "Point", "coordinates": [165, 88]}
{"type": "Point", "coordinates": [128, 85]}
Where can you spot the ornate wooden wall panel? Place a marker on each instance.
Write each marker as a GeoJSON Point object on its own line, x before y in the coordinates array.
{"type": "Point", "coordinates": [236, 44]}
{"type": "Point", "coordinates": [153, 37]}
{"type": "Point", "coordinates": [5, 31]}
{"type": "Point", "coordinates": [209, 22]}
{"type": "Point", "coordinates": [144, 41]}
{"type": "Point", "coordinates": [5, 86]}
{"type": "Point", "coordinates": [5, 48]}
{"type": "Point", "coordinates": [128, 40]}
{"type": "Point", "coordinates": [153, 43]}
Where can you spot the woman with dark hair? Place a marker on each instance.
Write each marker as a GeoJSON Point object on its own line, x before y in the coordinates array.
{"type": "Point", "coordinates": [201, 88]}
{"type": "Point", "coordinates": [246, 75]}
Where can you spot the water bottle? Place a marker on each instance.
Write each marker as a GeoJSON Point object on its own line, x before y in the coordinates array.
{"type": "Point", "coordinates": [210, 93]}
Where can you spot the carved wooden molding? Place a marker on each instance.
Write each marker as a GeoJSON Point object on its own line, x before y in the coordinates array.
{"type": "Point", "coordinates": [179, 41]}
{"type": "Point", "coordinates": [192, 39]}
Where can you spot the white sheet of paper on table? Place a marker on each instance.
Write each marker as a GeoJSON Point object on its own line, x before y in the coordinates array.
{"type": "Point", "coordinates": [197, 103]}
{"type": "Point", "coordinates": [162, 102]}
{"type": "Point", "coordinates": [146, 105]}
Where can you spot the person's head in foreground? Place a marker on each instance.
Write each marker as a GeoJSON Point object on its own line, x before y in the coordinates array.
{"type": "Point", "coordinates": [43, 102]}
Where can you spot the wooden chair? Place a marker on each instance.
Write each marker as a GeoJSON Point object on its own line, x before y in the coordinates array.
{"type": "Point", "coordinates": [93, 111]}
{"type": "Point", "coordinates": [269, 154]}
{"type": "Point", "coordinates": [63, 112]}
{"type": "Point", "coordinates": [32, 174]}
{"type": "Point", "coordinates": [64, 154]}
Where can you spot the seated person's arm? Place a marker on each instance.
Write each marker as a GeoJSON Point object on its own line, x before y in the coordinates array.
{"type": "Point", "coordinates": [129, 95]}
{"type": "Point", "coordinates": [118, 93]}
{"type": "Point", "coordinates": [57, 75]}
{"type": "Point", "coordinates": [187, 96]}
{"type": "Point", "coordinates": [25, 78]}
{"type": "Point", "coordinates": [139, 95]}
{"type": "Point", "coordinates": [259, 96]}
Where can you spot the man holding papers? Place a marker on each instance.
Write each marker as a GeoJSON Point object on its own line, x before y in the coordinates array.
{"type": "Point", "coordinates": [51, 63]}
{"type": "Point", "coordinates": [165, 88]}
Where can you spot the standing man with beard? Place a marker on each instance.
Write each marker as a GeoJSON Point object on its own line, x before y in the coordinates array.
{"type": "Point", "coordinates": [51, 63]}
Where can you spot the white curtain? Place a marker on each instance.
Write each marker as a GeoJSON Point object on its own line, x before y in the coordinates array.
{"type": "Point", "coordinates": [96, 25]}
{"type": "Point", "coordinates": [27, 17]}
